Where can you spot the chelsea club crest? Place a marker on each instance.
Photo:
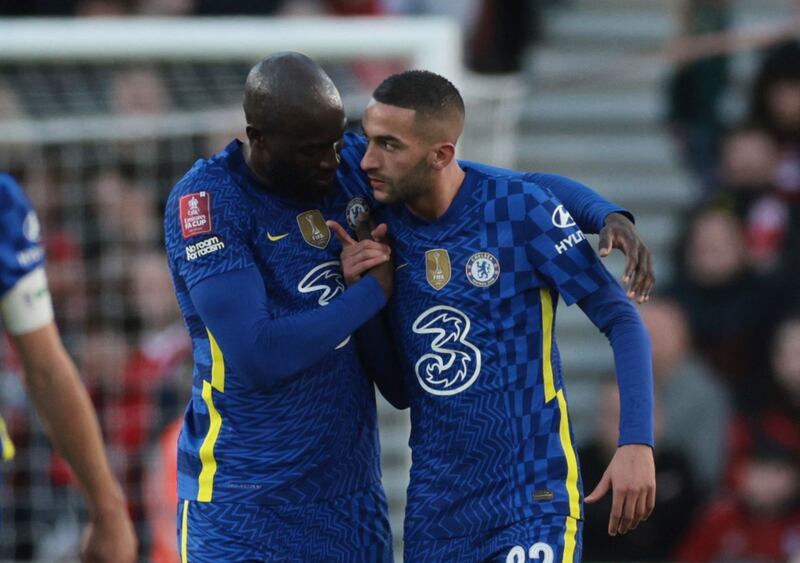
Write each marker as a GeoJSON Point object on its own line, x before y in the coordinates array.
{"type": "Point", "coordinates": [356, 207]}
{"type": "Point", "coordinates": [483, 269]}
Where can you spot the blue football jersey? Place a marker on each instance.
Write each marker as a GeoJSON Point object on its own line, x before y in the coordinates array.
{"type": "Point", "coordinates": [21, 251]}
{"type": "Point", "coordinates": [312, 438]}
{"type": "Point", "coordinates": [473, 314]}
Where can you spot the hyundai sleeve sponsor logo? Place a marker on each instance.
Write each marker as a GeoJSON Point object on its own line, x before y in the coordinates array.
{"type": "Point", "coordinates": [562, 219]}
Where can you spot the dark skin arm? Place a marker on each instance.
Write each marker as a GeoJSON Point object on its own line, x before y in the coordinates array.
{"type": "Point", "coordinates": [620, 233]}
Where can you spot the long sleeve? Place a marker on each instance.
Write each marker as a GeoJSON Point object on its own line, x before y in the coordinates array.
{"type": "Point", "coordinates": [587, 207]}
{"type": "Point", "coordinates": [380, 358]}
{"type": "Point", "coordinates": [611, 312]}
{"type": "Point", "coordinates": [268, 351]}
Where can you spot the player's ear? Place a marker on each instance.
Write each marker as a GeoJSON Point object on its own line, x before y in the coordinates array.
{"type": "Point", "coordinates": [442, 155]}
{"type": "Point", "coordinates": [254, 135]}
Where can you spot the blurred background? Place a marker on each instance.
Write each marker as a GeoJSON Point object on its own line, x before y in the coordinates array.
{"type": "Point", "coordinates": [687, 112]}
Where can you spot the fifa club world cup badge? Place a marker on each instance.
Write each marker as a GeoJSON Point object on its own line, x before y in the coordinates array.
{"type": "Point", "coordinates": [356, 207]}
{"type": "Point", "coordinates": [483, 269]}
{"type": "Point", "coordinates": [312, 226]}
{"type": "Point", "coordinates": [195, 214]}
{"type": "Point", "coordinates": [437, 268]}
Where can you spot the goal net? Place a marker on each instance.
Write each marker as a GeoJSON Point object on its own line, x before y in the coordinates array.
{"type": "Point", "coordinates": [98, 119]}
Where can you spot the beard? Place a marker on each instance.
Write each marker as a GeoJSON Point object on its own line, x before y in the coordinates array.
{"type": "Point", "coordinates": [413, 185]}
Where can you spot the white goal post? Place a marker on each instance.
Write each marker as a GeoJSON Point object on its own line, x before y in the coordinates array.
{"type": "Point", "coordinates": [431, 42]}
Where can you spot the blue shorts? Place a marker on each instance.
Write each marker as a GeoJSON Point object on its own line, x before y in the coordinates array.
{"type": "Point", "coordinates": [349, 529]}
{"type": "Point", "coordinates": [549, 539]}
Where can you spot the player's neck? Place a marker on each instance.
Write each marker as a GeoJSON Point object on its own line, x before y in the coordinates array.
{"type": "Point", "coordinates": [248, 160]}
{"type": "Point", "coordinates": [436, 201]}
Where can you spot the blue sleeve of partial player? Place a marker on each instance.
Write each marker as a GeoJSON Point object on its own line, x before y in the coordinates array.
{"type": "Point", "coordinates": [21, 250]}
{"type": "Point", "coordinates": [587, 207]}
{"type": "Point", "coordinates": [381, 360]}
{"type": "Point", "coordinates": [611, 311]}
{"type": "Point", "coordinates": [269, 351]}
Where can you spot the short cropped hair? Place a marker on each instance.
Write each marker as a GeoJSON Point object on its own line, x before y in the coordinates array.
{"type": "Point", "coordinates": [425, 92]}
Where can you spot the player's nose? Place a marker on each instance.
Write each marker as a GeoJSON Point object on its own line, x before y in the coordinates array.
{"type": "Point", "coordinates": [368, 161]}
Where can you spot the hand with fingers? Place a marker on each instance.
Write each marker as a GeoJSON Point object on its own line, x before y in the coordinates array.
{"type": "Point", "coordinates": [368, 255]}
{"type": "Point", "coordinates": [619, 232]}
{"type": "Point", "coordinates": [631, 476]}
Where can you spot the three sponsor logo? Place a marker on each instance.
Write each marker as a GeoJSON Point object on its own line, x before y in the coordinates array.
{"type": "Point", "coordinates": [452, 363]}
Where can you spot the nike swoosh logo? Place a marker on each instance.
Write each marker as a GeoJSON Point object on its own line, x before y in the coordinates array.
{"type": "Point", "coordinates": [276, 238]}
{"type": "Point", "coordinates": [403, 265]}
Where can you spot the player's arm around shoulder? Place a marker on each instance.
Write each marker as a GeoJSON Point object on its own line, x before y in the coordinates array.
{"type": "Point", "coordinates": [595, 214]}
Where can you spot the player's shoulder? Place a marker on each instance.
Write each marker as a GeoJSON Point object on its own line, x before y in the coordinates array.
{"type": "Point", "coordinates": [510, 192]}
{"type": "Point", "coordinates": [207, 175]}
{"type": "Point", "coordinates": [208, 199]}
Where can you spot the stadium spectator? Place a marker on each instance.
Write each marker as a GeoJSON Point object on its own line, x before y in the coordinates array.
{"type": "Point", "coordinates": [497, 32]}
{"type": "Point", "coordinates": [775, 410]}
{"type": "Point", "coordinates": [724, 300]}
{"type": "Point", "coordinates": [676, 490]}
{"type": "Point", "coordinates": [502, 31]}
{"type": "Point", "coordinates": [695, 89]}
{"type": "Point", "coordinates": [691, 396]}
{"type": "Point", "coordinates": [138, 91]}
{"type": "Point", "coordinates": [126, 210]}
{"type": "Point", "coordinates": [748, 166]}
{"type": "Point", "coordinates": [775, 103]}
{"type": "Point", "coordinates": [760, 522]}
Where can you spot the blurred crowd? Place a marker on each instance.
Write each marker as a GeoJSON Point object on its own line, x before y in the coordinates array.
{"type": "Point", "coordinates": [115, 307]}
{"type": "Point", "coordinates": [725, 329]}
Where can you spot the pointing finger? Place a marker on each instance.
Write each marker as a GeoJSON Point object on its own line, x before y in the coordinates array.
{"type": "Point", "coordinates": [342, 235]}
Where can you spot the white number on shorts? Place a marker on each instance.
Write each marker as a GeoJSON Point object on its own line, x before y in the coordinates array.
{"type": "Point", "coordinates": [542, 549]}
{"type": "Point", "coordinates": [538, 552]}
